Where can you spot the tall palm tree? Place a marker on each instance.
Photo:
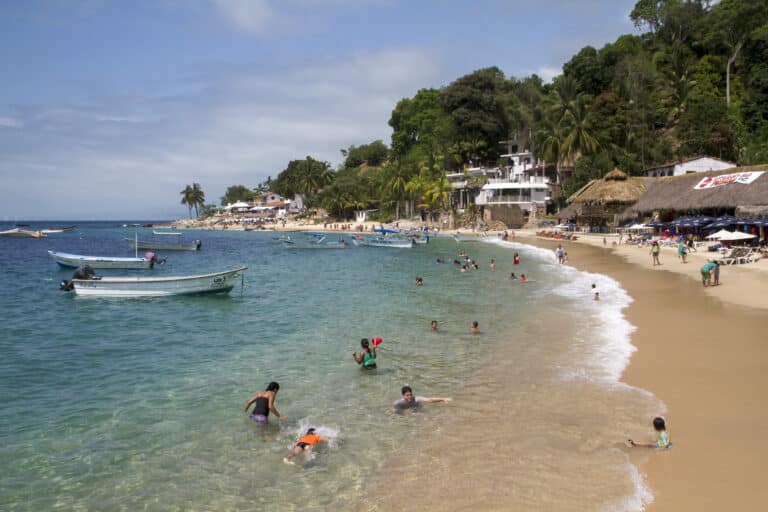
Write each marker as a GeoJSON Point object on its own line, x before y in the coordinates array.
{"type": "Point", "coordinates": [198, 198]}
{"type": "Point", "coordinates": [579, 139]}
{"type": "Point", "coordinates": [552, 145]}
{"type": "Point", "coordinates": [187, 198]}
{"type": "Point", "coordinates": [396, 182]}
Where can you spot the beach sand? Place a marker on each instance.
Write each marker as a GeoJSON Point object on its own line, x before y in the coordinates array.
{"type": "Point", "coordinates": [704, 353]}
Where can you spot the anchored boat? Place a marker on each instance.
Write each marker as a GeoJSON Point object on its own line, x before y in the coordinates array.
{"type": "Point", "coordinates": [218, 282]}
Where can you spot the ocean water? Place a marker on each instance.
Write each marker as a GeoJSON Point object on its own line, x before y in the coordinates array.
{"type": "Point", "coordinates": [125, 404]}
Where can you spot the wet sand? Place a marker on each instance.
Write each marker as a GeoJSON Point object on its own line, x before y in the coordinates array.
{"type": "Point", "coordinates": [705, 355]}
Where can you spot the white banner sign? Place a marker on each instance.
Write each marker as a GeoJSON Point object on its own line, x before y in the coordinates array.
{"type": "Point", "coordinates": [745, 178]}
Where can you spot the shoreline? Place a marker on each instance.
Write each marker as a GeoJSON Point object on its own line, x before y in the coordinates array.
{"type": "Point", "coordinates": [701, 352]}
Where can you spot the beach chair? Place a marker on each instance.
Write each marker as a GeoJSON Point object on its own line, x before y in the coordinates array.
{"type": "Point", "coordinates": [731, 257]}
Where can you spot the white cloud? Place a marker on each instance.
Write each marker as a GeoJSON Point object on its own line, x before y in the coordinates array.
{"type": "Point", "coordinates": [547, 73]}
{"type": "Point", "coordinates": [10, 122]}
{"type": "Point", "coordinates": [238, 129]}
{"type": "Point", "coordinates": [251, 16]}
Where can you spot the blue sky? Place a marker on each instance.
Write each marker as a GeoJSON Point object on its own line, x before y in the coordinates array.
{"type": "Point", "coordinates": [108, 109]}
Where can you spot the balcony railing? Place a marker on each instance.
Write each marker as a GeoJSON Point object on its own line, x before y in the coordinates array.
{"type": "Point", "coordinates": [540, 180]}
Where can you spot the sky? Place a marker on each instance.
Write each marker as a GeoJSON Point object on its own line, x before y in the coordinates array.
{"type": "Point", "coordinates": [108, 109]}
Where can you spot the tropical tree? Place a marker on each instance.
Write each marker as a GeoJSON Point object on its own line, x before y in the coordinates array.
{"type": "Point", "coordinates": [237, 193]}
{"type": "Point", "coordinates": [187, 198]}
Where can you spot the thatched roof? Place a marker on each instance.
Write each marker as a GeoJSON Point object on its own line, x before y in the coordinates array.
{"type": "Point", "coordinates": [614, 188]}
{"type": "Point", "coordinates": [569, 212]}
{"type": "Point", "coordinates": [676, 193]}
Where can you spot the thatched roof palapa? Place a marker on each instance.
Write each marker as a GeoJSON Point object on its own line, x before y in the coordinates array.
{"type": "Point", "coordinates": [614, 188]}
{"type": "Point", "coordinates": [677, 193]}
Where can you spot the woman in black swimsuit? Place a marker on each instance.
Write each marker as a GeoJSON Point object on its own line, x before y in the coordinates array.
{"type": "Point", "coordinates": [265, 402]}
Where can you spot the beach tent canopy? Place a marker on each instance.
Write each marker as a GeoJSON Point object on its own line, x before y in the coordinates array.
{"type": "Point", "coordinates": [721, 233]}
{"type": "Point", "coordinates": [239, 204]}
{"type": "Point", "coordinates": [639, 227]}
{"type": "Point", "coordinates": [736, 235]}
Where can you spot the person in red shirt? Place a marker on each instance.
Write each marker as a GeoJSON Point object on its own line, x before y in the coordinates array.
{"type": "Point", "coordinates": [305, 444]}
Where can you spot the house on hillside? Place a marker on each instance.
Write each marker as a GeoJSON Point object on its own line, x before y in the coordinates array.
{"type": "Point", "coordinates": [688, 166]}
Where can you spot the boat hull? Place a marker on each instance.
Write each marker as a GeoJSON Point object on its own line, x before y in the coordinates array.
{"type": "Point", "coordinates": [76, 260]}
{"type": "Point", "coordinates": [383, 242]}
{"type": "Point", "coordinates": [21, 233]}
{"type": "Point", "coordinates": [219, 282]}
{"type": "Point", "coordinates": [163, 246]}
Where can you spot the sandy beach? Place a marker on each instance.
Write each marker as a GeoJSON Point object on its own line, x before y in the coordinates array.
{"type": "Point", "coordinates": [702, 351]}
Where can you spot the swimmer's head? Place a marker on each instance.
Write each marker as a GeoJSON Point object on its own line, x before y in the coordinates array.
{"type": "Point", "coordinates": [474, 324]}
{"type": "Point", "coordinates": [364, 342]}
{"type": "Point", "coordinates": [407, 392]}
{"type": "Point", "coordinates": [310, 431]}
{"type": "Point", "coordinates": [659, 424]}
{"type": "Point", "coordinates": [273, 386]}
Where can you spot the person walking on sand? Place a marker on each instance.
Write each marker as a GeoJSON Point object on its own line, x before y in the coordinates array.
{"type": "Point", "coordinates": [414, 402]}
{"type": "Point", "coordinates": [655, 250]}
{"type": "Point", "coordinates": [304, 444]}
{"type": "Point", "coordinates": [559, 253]}
{"type": "Point", "coordinates": [662, 441]}
{"type": "Point", "coordinates": [265, 402]}
{"type": "Point", "coordinates": [715, 274]}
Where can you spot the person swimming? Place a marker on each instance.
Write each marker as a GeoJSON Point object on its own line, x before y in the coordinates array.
{"type": "Point", "coordinates": [367, 357]}
{"type": "Point", "coordinates": [512, 276]}
{"type": "Point", "coordinates": [265, 402]}
{"type": "Point", "coordinates": [304, 444]}
{"type": "Point", "coordinates": [433, 325]}
{"type": "Point", "coordinates": [414, 402]}
{"type": "Point", "coordinates": [523, 279]}
{"type": "Point", "coordinates": [474, 328]}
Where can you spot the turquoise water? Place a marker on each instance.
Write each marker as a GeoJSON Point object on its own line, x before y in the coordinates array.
{"type": "Point", "coordinates": [137, 403]}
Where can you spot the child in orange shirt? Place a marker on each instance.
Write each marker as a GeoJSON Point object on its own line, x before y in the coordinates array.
{"type": "Point", "coordinates": [305, 444]}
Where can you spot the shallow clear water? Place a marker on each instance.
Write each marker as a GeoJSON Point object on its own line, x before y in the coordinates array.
{"type": "Point", "coordinates": [137, 403]}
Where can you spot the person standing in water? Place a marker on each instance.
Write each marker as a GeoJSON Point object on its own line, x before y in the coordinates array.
{"type": "Point", "coordinates": [474, 328]}
{"type": "Point", "coordinates": [265, 402]}
{"type": "Point", "coordinates": [367, 357]}
{"type": "Point", "coordinates": [433, 325]}
{"type": "Point", "coordinates": [516, 260]}
{"type": "Point", "coordinates": [304, 444]}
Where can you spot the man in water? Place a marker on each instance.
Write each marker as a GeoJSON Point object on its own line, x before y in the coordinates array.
{"type": "Point", "coordinates": [474, 328]}
{"type": "Point", "coordinates": [414, 402]}
{"type": "Point", "coordinates": [433, 325]}
{"type": "Point", "coordinates": [595, 292]}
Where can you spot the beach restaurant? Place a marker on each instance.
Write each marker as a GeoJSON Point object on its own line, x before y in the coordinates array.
{"type": "Point", "coordinates": [740, 192]}
{"type": "Point", "coordinates": [601, 202]}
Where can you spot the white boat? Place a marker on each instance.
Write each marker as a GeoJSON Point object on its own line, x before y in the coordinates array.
{"type": "Point", "coordinates": [382, 241]}
{"type": "Point", "coordinates": [173, 233]}
{"type": "Point", "coordinates": [77, 260]}
{"type": "Point", "coordinates": [319, 243]}
{"type": "Point", "coordinates": [217, 282]}
{"type": "Point", "coordinates": [21, 233]}
{"type": "Point", "coordinates": [158, 245]}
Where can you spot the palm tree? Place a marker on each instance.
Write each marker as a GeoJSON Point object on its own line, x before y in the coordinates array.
{"type": "Point", "coordinates": [552, 145]}
{"type": "Point", "coordinates": [187, 198]}
{"type": "Point", "coordinates": [579, 139]}
{"type": "Point", "coordinates": [396, 182]}
{"type": "Point", "coordinates": [198, 198]}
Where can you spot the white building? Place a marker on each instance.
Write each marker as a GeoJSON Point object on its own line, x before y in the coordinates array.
{"type": "Point", "coordinates": [688, 166]}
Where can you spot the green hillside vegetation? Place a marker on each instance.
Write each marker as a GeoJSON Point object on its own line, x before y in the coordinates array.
{"type": "Point", "coordinates": [695, 82]}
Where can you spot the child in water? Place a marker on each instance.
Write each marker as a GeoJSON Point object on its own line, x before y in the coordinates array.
{"type": "Point", "coordinates": [523, 278]}
{"type": "Point", "coordinates": [305, 444]}
{"type": "Point", "coordinates": [662, 441]}
{"type": "Point", "coordinates": [367, 357]}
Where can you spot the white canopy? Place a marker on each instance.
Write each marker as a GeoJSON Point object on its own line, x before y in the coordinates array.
{"type": "Point", "coordinates": [639, 227]}
{"type": "Point", "coordinates": [719, 234]}
{"type": "Point", "coordinates": [736, 235]}
{"type": "Point", "coordinates": [239, 204]}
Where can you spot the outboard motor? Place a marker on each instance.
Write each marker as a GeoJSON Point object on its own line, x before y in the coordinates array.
{"type": "Point", "coordinates": [84, 272]}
